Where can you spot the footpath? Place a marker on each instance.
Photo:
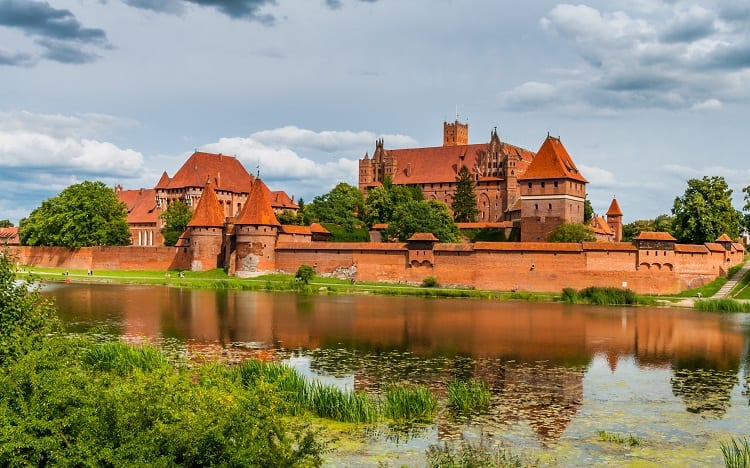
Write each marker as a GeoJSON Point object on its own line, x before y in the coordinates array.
{"type": "Point", "coordinates": [724, 291]}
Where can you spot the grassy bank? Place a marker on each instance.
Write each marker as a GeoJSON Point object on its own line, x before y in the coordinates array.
{"type": "Point", "coordinates": [721, 305]}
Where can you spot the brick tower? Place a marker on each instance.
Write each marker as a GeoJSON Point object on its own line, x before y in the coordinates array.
{"type": "Point", "coordinates": [205, 231]}
{"type": "Point", "coordinates": [552, 192]}
{"type": "Point", "coordinates": [256, 231]}
{"type": "Point", "coordinates": [455, 134]}
{"type": "Point", "coordinates": [614, 219]}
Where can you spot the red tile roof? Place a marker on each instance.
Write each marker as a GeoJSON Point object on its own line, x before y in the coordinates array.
{"type": "Point", "coordinates": [342, 246]}
{"type": "Point", "coordinates": [614, 208]}
{"type": "Point", "coordinates": [225, 172]}
{"type": "Point", "coordinates": [9, 236]}
{"type": "Point", "coordinates": [319, 229]}
{"type": "Point", "coordinates": [294, 229]}
{"type": "Point", "coordinates": [661, 236]}
{"type": "Point", "coordinates": [282, 201]}
{"type": "Point", "coordinates": [600, 226]}
{"type": "Point", "coordinates": [724, 238]}
{"type": "Point", "coordinates": [257, 210]}
{"type": "Point", "coordinates": [423, 236]}
{"type": "Point", "coordinates": [440, 164]}
{"type": "Point", "coordinates": [163, 181]}
{"type": "Point", "coordinates": [500, 225]}
{"type": "Point", "coordinates": [610, 246]}
{"type": "Point", "coordinates": [738, 247]}
{"type": "Point", "coordinates": [552, 161]}
{"type": "Point", "coordinates": [690, 248]}
{"type": "Point", "coordinates": [454, 247]}
{"type": "Point", "coordinates": [208, 213]}
{"type": "Point", "coordinates": [714, 247]}
{"type": "Point", "coordinates": [141, 205]}
{"type": "Point", "coordinates": [379, 226]}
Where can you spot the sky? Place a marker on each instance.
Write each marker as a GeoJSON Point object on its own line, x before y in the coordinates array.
{"type": "Point", "coordinates": [644, 94]}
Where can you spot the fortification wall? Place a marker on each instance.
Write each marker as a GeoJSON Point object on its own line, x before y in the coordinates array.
{"type": "Point", "coordinates": [107, 258]}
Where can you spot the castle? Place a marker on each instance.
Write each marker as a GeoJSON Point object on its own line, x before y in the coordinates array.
{"type": "Point", "coordinates": [536, 192]}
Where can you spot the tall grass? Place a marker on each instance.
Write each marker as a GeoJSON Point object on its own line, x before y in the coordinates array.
{"type": "Point", "coordinates": [292, 385]}
{"type": "Point", "coordinates": [122, 359]}
{"type": "Point", "coordinates": [410, 403]}
{"type": "Point", "coordinates": [608, 296]}
{"type": "Point", "coordinates": [736, 453]}
{"type": "Point", "coordinates": [721, 305]}
{"type": "Point", "coordinates": [466, 454]}
{"type": "Point", "coordinates": [331, 402]}
{"type": "Point", "coordinates": [468, 396]}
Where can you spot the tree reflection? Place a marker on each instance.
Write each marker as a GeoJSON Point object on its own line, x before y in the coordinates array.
{"type": "Point", "coordinates": [705, 391]}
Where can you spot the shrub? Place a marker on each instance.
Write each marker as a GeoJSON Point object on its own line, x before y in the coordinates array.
{"type": "Point", "coordinates": [569, 295]}
{"type": "Point", "coordinates": [608, 296]}
{"type": "Point", "coordinates": [304, 274]}
{"type": "Point", "coordinates": [430, 282]}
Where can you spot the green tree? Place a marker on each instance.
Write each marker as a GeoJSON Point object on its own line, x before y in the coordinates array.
{"type": "Point", "coordinates": [382, 201]}
{"type": "Point", "coordinates": [464, 204]}
{"type": "Point", "coordinates": [571, 232]}
{"type": "Point", "coordinates": [705, 211]}
{"type": "Point", "coordinates": [662, 223]}
{"type": "Point", "coordinates": [341, 206]}
{"type": "Point", "coordinates": [5, 223]}
{"type": "Point", "coordinates": [746, 208]}
{"type": "Point", "coordinates": [304, 274]}
{"type": "Point", "coordinates": [176, 218]}
{"type": "Point", "coordinates": [290, 217]}
{"type": "Point", "coordinates": [588, 210]}
{"type": "Point", "coordinates": [423, 216]}
{"type": "Point", "coordinates": [84, 214]}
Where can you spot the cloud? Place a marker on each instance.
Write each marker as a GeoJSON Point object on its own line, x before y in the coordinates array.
{"type": "Point", "coordinates": [91, 125]}
{"type": "Point", "coordinates": [249, 10]}
{"type": "Point", "coordinates": [708, 104]}
{"type": "Point", "coordinates": [56, 30]}
{"type": "Point", "coordinates": [18, 59]}
{"type": "Point", "coordinates": [671, 55]}
{"type": "Point", "coordinates": [175, 7]}
{"type": "Point", "coordinates": [326, 141]}
{"type": "Point", "coordinates": [598, 177]}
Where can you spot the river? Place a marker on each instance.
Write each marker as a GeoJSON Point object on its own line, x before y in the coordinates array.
{"type": "Point", "coordinates": [675, 379]}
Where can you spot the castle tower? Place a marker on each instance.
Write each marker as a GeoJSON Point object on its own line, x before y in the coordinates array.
{"type": "Point", "coordinates": [552, 192]}
{"type": "Point", "coordinates": [205, 231]}
{"type": "Point", "coordinates": [256, 231]}
{"type": "Point", "coordinates": [455, 134]}
{"type": "Point", "coordinates": [614, 219]}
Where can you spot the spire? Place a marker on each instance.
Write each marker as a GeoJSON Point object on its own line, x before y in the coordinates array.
{"type": "Point", "coordinates": [208, 212]}
{"type": "Point", "coordinates": [257, 210]}
{"type": "Point", "coordinates": [614, 208]}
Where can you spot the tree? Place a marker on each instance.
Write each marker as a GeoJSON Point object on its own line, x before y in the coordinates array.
{"type": "Point", "coordinates": [572, 232]}
{"type": "Point", "coordinates": [746, 208]}
{"type": "Point", "coordinates": [662, 223]}
{"type": "Point", "coordinates": [176, 218]}
{"type": "Point", "coordinates": [382, 201]}
{"type": "Point", "coordinates": [341, 206]}
{"type": "Point", "coordinates": [588, 210]}
{"type": "Point", "coordinates": [464, 204]}
{"type": "Point", "coordinates": [84, 214]}
{"type": "Point", "coordinates": [423, 216]}
{"type": "Point", "coordinates": [290, 217]}
{"type": "Point", "coordinates": [5, 223]}
{"type": "Point", "coordinates": [304, 274]}
{"type": "Point", "coordinates": [705, 211]}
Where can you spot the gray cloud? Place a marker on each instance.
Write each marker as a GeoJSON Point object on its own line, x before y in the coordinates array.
{"type": "Point", "coordinates": [695, 24]}
{"type": "Point", "coordinates": [18, 59]}
{"type": "Point", "coordinates": [237, 9]}
{"type": "Point", "coordinates": [175, 7]}
{"type": "Point", "coordinates": [333, 4]}
{"type": "Point", "coordinates": [57, 31]}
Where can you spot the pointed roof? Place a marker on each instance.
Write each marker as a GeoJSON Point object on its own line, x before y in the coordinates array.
{"type": "Point", "coordinates": [724, 238]}
{"type": "Point", "coordinates": [257, 210]}
{"type": "Point", "coordinates": [600, 226]}
{"type": "Point", "coordinates": [552, 161]}
{"type": "Point", "coordinates": [226, 173]}
{"type": "Point", "coordinates": [163, 181]}
{"type": "Point", "coordinates": [208, 212]}
{"type": "Point", "coordinates": [614, 208]}
{"type": "Point", "coordinates": [141, 205]}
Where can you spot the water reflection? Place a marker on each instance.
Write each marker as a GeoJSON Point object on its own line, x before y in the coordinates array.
{"type": "Point", "coordinates": [534, 356]}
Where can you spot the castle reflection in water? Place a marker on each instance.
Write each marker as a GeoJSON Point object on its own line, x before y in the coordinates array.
{"type": "Point", "coordinates": [533, 354]}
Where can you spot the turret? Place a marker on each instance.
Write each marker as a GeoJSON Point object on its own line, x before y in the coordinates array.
{"type": "Point", "coordinates": [614, 219]}
{"type": "Point", "coordinates": [205, 231]}
{"type": "Point", "coordinates": [256, 231]}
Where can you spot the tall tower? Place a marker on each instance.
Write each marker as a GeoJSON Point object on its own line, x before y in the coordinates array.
{"type": "Point", "coordinates": [206, 231]}
{"type": "Point", "coordinates": [455, 134]}
{"type": "Point", "coordinates": [614, 219]}
{"type": "Point", "coordinates": [552, 192]}
{"type": "Point", "coordinates": [256, 231]}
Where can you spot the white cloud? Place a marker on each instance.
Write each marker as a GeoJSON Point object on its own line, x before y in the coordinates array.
{"type": "Point", "coordinates": [598, 177]}
{"type": "Point", "coordinates": [327, 141]}
{"type": "Point", "coordinates": [708, 104]}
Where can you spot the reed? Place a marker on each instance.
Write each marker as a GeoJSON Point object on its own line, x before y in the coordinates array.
{"type": "Point", "coordinates": [286, 380]}
{"type": "Point", "coordinates": [331, 402]}
{"type": "Point", "coordinates": [480, 454]}
{"type": "Point", "coordinates": [736, 453]}
{"type": "Point", "coordinates": [409, 403]}
{"type": "Point", "coordinates": [468, 396]}
{"type": "Point", "coordinates": [721, 305]}
{"type": "Point", "coordinates": [122, 359]}
{"type": "Point", "coordinates": [608, 296]}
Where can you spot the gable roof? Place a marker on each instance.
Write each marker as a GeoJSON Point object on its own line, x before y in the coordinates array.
{"type": "Point", "coordinates": [225, 172]}
{"type": "Point", "coordinates": [660, 236]}
{"type": "Point", "coordinates": [440, 164]}
{"type": "Point", "coordinates": [600, 226]}
{"type": "Point", "coordinates": [208, 212]}
{"type": "Point", "coordinates": [141, 205]}
{"type": "Point", "coordinates": [257, 210]}
{"type": "Point", "coordinates": [9, 236]}
{"type": "Point", "coordinates": [281, 200]}
{"type": "Point", "coordinates": [552, 161]}
{"type": "Point", "coordinates": [724, 238]}
{"type": "Point", "coordinates": [423, 236]}
{"type": "Point", "coordinates": [295, 229]}
{"type": "Point", "coordinates": [319, 229]}
{"type": "Point", "coordinates": [614, 208]}
{"type": "Point", "coordinates": [163, 181]}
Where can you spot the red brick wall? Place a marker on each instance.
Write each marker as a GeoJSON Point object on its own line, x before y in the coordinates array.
{"type": "Point", "coordinates": [107, 258]}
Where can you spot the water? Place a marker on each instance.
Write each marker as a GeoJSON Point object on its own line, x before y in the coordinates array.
{"type": "Point", "coordinates": [559, 373]}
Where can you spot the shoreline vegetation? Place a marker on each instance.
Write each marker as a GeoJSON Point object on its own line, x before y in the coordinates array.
{"type": "Point", "coordinates": [698, 298]}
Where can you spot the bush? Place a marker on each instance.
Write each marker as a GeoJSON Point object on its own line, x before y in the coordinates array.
{"type": "Point", "coordinates": [430, 282]}
{"type": "Point", "coordinates": [304, 274]}
{"type": "Point", "coordinates": [608, 296]}
{"type": "Point", "coordinates": [569, 295]}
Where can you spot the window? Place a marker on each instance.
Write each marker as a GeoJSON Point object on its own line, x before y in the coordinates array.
{"type": "Point", "coordinates": [529, 184]}
{"type": "Point", "coordinates": [555, 184]}
{"type": "Point", "coordinates": [550, 206]}
{"type": "Point", "coordinates": [542, 184]}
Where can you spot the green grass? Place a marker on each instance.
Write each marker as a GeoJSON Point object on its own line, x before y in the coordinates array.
{"type": "Point", "coordinates": [468, 396]}
{"type": "Point", "coordinates": [721, 305]}
{"type": "Point", "coordinates": [742, 290]}
{"type": "Point", "coordinates": [736, 453]}
{"type": "Point", "coordinates": [291, 386]}
{"type": "Point", "coordinates": [410, 403]}
{"type": "Point", "coordinates": [122, 359]}
{"type": "Point", "coordinates": [614, 437]}
{"type": "Point", "coordinates": [464, 454]}
{"type": "Point", "coordinates": [340, 405]}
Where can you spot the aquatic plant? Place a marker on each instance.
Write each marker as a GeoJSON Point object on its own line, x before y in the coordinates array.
{"type": "Point", "coordinates": [331, 402]}
{"type": "Point", "coordinates": [630, 440]}
{"type": "Point", "coordinates": [608, 296]}
{"type": "Point", "coordinates": [282, 378]}
{"type": "Point", "coordinates": [468, 395]}
{"type": "Point", "coordinates": [736, 453]}
{"type": "Point", "coordinates": [569, 295]}
{"type": "Point", "coordinates": [466, 454]}
{"type": "Point", "coordinates": [122, 359]}
{"type": "Point", "coordinates": [407, 402]}
{"type": "Point", "coordinates": [721, 305]}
